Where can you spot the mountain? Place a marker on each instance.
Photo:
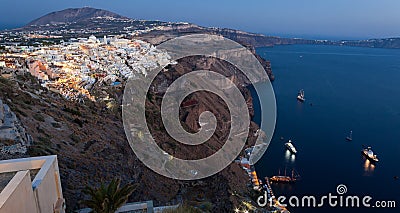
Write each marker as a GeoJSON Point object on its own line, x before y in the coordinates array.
{"type": "Point", "coordinates": [73, 15]}
{"type": "Point", "coordinates": [86, 21]}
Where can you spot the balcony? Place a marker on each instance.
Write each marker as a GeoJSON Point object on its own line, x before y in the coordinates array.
{"type": "Point", "coordinates": [31, 185]}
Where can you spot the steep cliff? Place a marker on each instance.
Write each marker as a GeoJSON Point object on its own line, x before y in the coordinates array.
{"type": "Point", "coordinates": [90, 141]}
{"type": "Point", "coordinates": [91, 146]}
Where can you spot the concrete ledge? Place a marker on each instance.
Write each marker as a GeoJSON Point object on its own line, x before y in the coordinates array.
{"type": "Point", "coordinates": [19, 188]}
{"type": "Point", "coordinates": [43, 194]}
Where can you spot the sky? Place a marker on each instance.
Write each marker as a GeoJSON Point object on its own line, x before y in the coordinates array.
{"type": "Point", "coordinates": [317, 19]}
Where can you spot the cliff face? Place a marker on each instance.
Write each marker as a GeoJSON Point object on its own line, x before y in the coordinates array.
{"type": "Point", "coordinates": [90, 142]}
{"type": "Point", "coordinates": [218, 188]}
{"type": "Point", "coordinates": [246, 39]}
{"type": "Point", "coordinates": [91, 146]}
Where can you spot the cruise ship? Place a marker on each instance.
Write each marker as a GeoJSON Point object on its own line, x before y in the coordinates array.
{"type": "Point", "coordinates": [290, 147]}
{"type": "Point", "coordinates": [369, 154]}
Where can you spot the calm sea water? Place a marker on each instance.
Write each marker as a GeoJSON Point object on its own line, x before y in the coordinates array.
{"type": "Point", "coordinates": [346, 88]}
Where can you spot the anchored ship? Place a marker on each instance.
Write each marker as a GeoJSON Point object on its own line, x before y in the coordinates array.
{"type": "Point", "coordinates": [369, 154]}
{"type": "Point", "coordinates": [284, 178]}
{"type": "Point", "coordinates": [350, 137]}
{"type": "Point", "coordinates": [300, 96]}
{"type": "Point", "coordinates": [290, 147]}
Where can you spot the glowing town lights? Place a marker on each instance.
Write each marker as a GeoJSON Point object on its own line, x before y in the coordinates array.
{"type": "Point", "coordinates": [73, 68]}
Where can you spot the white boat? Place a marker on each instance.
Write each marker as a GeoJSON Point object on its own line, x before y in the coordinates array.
{"type": "Point", "coordinates": [300, 95]}
{"type": "Point", "coordinates": [369, 154]}
{"type": "Point", "coordinates": [350, 137]}
{"type": "Point", "coordinates": [290, 147]}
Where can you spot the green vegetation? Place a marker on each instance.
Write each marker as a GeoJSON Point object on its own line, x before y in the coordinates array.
{"type": "Point", "coordinates": [34, 151]}
{"type": "Point", "coordinates": [183, 209]}
{"type": "Point", "coordinates": [42, 146]}
{"type": "Point", "coordinates": [38, 117]}
{"type": "Point", "coordinates": [72, 111]}
{"type": "Point", "coordinates": [206, 206]}
{"type": "Point", "coordinates": [45, 141]}
{"type": "Point", "coordinates": [56, 125]}
{"type": "Point", "coordinates": [4, 83]}
{"type": "Point", "coordinates": [78, 121]}
{"type": "Point", "coordinates": [75, 138]}
{"type": "Point", "coordinates": [108, 199]}
{"type": "Point", "coordinates": [254, 195]}
{"type": "Point", "coordinates": [6, 142]}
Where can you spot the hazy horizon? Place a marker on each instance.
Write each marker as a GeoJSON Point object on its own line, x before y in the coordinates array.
{"type": "Point", "coordinates": [334, 20]}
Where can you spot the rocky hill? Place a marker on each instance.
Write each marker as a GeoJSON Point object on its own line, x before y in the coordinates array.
{"type": "Point", "coordinates": [77, 22]}
{"type": "Point", "coordinates": [73, 15]}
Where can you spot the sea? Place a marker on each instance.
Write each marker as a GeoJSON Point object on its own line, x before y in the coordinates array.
{"type": "Point", "coordinates": [346, 89]}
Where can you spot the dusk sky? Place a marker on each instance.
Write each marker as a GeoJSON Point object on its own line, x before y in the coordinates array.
{"type": "Point", "coordinates": [341, 19]}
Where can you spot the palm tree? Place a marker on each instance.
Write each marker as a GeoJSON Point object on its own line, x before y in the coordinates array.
{"type": "Point", "coordinates": [108, 199]}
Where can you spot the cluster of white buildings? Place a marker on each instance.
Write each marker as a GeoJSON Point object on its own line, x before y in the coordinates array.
{"type": "Point", "coordinates": [72, 68]}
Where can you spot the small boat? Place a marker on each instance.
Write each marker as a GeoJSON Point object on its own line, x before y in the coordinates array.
{"type": "Point", "coordinates": [369, 154]}
{"type": "Point", "coordinates": [290, 147]}
{"type": "Point", "coordinates": [284, 178]}
{"type": "Point", "coordinates": [300, 96]}
{"type": "Point", "coordinates": [350, 137]}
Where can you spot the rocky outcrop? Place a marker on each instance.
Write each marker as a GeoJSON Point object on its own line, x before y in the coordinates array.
{"type": "Point", "coordinates": [157, 37]}
{"type": "Point", "coordinates": [216, 189]}
{"type": "Point", "coordinates": [13, 136]}
{"type": "Point", "coordinates": [244, 38]}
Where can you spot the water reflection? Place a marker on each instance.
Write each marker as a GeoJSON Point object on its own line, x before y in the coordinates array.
{"type": "Point", "coordinates": [280, 188]}
{"type": "Point", "coordinates": [300, 106]}
{"type": "Point", "coordinates": [368, 168]}
{"type": "Point", "coordinates": [289, 157]}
